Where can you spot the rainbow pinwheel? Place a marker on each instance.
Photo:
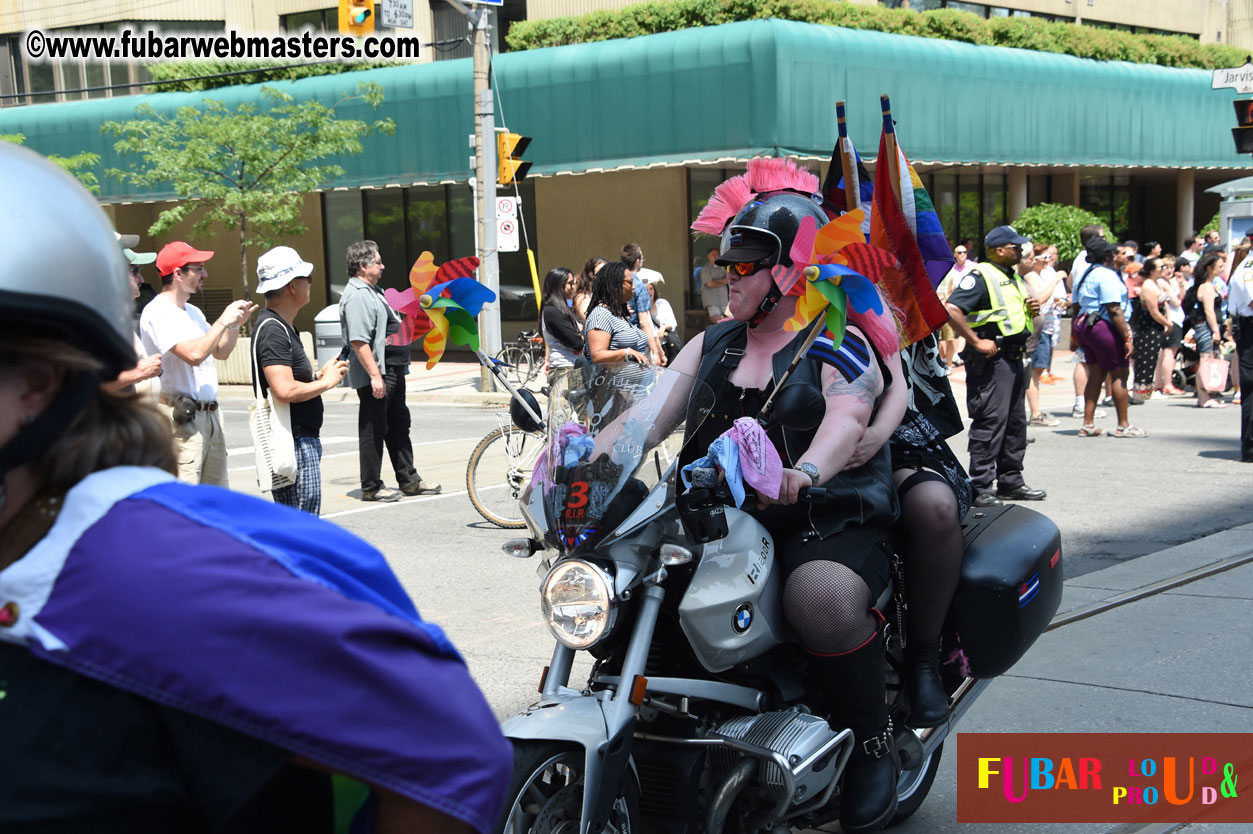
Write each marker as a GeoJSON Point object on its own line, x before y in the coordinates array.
{"type": "Point", "coordinates": [834, 262]}
{"type": "Point", "coordinates": [442, 304]}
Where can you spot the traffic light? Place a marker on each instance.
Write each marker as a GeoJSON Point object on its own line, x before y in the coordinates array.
{"type": "Point", "coordinates": [510, 169]}
{"type": "Point", "coordinates": [356, 17]}
{"type": "Point", "coordinates": [1244, 133]}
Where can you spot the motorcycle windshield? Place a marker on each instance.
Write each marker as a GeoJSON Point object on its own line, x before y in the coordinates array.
{"type": "Point", "coordinates": [614, 433]}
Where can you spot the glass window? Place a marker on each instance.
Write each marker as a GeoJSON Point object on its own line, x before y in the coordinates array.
{"type": "Point", "coordinates": [1039, 189]}
{"type": "Point", "coordinates": [42, 80]}
{"type": "Point", "coordinates": [974, 8]}
{"type": "Point", "coordinates": [71, 76]}
{"type": "Point", "coordinates": [993, 203]}
{"type": "Point", "coordinates": [944, 195]}
{"type": "Point", "coordinates": [385, 225]}
{"type": "Point", "coordinates": [461, 220]}
{"type": "Point", "coordinates": [318, 20]}
{"type": "Point", "coordinates": [701, 183]}
{"type": "Point", "coordinates": [93, 72]}
{"type": "Point", "coordinates": [1095, 196]}
{"type": "Point", "coordinates": [968, 211]}
{"type": "Point", "coordinates": [118, 75]}
{"type": "Point", "coordinates": [341, 226]}
{"type": "Point", "coordinates": [428, 226]}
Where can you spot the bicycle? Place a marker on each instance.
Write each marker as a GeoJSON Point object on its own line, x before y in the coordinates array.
{"type": "Point", "coordinates": [500, 469]}
{"type": "Point", "coordinates": [524, 357]}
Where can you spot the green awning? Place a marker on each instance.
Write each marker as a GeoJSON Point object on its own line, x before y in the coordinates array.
{"type": "Point", "coordinates": [732, 92]}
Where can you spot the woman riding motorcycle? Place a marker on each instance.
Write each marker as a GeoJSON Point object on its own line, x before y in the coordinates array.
{"type": "Point", "coordinates": [177, 657]}
{"type": "Point", "coordinates": [835, 555]}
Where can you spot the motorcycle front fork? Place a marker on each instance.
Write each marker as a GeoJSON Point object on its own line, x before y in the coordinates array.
{"type": "Point", "coordinates": [618, 709]}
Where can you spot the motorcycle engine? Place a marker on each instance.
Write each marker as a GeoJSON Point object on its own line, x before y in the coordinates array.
{"type": "Point", "coordinates": [796, 736]}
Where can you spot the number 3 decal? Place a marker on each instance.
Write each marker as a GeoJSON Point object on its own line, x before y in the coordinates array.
{"type": "Point", "coordinates": [578, 495]}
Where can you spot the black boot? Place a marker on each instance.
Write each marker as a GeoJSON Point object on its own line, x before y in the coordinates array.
{"type": "Point", "coordinates": [928, 702]}
{"type": "Point", "coordinates": [854, 682]}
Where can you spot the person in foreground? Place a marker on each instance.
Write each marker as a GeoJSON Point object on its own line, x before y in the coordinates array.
{"type": "Point", "coordinates": [836, 563]}
{"type": "Point", "coordinates": [179, 657]}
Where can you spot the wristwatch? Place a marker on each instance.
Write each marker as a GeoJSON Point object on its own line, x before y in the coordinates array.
{"type": "Point", "coordinates": [810, 470]}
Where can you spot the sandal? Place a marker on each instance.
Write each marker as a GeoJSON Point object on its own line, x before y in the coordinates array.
{"type": "Point", "coordinates": [1130, 431]}
{"type": "Point", "coordinates": [1091, 430]}
{"type": "Point", "coordinates": [1213, 404]}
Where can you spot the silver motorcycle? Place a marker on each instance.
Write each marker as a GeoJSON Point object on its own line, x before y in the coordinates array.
{"type": "Point", "coordinates": [698, 715]}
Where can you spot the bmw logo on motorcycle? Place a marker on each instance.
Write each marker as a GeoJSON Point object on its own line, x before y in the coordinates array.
{"type": "Point", "coordinates": [743, 618]}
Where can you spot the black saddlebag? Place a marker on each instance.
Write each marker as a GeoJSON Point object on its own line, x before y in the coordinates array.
{"type": "Point", "coordinates": [1010, 587]}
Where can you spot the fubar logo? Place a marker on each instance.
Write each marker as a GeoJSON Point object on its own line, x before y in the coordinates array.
{"type": "Point", "coordinates": [1103, 777]}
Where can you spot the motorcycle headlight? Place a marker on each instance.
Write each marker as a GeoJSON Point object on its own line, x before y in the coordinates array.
{"type": "Point", "coordinates": [578, 603]}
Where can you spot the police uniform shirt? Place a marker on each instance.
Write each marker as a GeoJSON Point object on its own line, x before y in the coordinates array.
{"type": "Point", "coordinates": [971, 293]}
{"type": "Point", "coordinates": [1240, 291]}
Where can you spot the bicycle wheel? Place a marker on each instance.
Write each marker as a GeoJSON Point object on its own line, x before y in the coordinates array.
{"type": "Point", "coordinates": [499, 469]}
{"type": "Point", "coordinates": [519, 364]}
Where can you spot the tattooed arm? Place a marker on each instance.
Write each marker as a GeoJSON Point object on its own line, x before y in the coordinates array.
{"type": "Point", "coordinates": [848, 409]}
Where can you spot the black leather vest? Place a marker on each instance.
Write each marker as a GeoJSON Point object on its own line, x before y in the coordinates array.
{"type": "Point", "coordinates": [864, 495]}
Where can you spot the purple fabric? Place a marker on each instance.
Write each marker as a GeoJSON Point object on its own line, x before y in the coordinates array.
{"type": "Point", "coordinates": [1101, 344]}
{"type": "Point", "coordinates": [204, 620]}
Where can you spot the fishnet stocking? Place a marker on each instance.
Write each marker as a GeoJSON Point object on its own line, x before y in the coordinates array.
{"type": "Point", "coordinates": [828, 605]}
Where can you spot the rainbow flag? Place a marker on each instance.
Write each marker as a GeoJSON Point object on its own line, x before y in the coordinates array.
{"type": "Point", "coordinates": [911, 230]}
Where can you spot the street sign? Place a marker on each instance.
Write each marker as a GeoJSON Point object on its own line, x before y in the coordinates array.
{"type": "Point", "coordinates": [507, 207]}
{"type": "Point", "coordinates": [507, 239]}
{"type": "Point", "coordinates": [1238, 78]}
{"type": "Point", "coordinates": [487, 2]}
{"type": "Point", "coordinates": [397, 14]}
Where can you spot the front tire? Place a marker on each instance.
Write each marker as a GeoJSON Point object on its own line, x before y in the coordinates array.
{"type": "Point", "coordinates": [546, 793]}
{"type": "Point", "coordinates": [499, 470]}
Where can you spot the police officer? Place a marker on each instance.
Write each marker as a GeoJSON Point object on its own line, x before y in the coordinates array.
{"type": "Point", "coordinates": [992, 309]}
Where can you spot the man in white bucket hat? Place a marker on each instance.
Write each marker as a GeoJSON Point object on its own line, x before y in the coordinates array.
{"type": "Point", "coordinates": [283, 277]}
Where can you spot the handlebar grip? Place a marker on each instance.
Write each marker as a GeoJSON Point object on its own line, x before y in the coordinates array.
{"type": "Point", "coordinates": [813, 495]}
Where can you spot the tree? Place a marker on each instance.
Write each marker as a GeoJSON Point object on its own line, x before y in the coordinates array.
{"type": "Point", "coordinates": [1058, 225]}
{"type": "Point", "coordinates": [243, 167]}
{"type": "Point", "coordinates": [79, 165]}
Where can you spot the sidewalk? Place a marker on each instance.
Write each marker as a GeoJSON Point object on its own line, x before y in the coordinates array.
{"type": "Point", "coordinates": [449, 382]}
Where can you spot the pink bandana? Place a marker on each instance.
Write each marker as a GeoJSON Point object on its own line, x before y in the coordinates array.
{"type": "Point", "coordinates": [760, 464]}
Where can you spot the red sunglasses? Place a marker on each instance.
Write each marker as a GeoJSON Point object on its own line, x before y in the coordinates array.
{"type": "Point", "coordinates": [749, 267]}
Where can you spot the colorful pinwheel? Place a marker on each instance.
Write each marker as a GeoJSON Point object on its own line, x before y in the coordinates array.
{"type": "Point", "coordinates": [442, 303]}
{"type": "Point", "coordinates": [833, 260]}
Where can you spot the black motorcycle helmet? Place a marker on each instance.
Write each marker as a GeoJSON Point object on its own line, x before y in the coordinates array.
{"type": "Point", "coordinates": [764, 230]}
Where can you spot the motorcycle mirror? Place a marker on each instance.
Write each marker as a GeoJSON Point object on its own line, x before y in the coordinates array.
{"type": "Point", "coordinates": [672, 554]}
{"type": "Point", "coordinates": [799, 407]}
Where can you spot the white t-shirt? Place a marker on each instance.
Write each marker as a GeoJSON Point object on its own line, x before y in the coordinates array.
{"type": "Point", "coordinates": [665, 315]}
{"type": "Point", "coordinates": [162, 325]}
{"type": "Point", "coordinates": [149, 389]}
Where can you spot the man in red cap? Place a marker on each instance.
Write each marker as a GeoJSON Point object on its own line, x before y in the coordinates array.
{"type": "Point", "coordinates": [188, 345]}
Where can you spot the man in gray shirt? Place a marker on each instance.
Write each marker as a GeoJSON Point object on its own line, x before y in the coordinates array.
{"type": "Point", "coordinates": [366, 320]}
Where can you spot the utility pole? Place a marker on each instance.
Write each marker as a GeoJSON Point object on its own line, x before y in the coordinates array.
{"type": "Point", "coordinates": [479, 18]}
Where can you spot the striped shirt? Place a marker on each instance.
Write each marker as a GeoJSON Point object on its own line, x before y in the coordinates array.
{"type": "Point", "coordinates": [622, 334]}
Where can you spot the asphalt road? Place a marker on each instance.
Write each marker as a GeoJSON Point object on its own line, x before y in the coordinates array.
{"type": "Point", "coordinates": [1114, 499]}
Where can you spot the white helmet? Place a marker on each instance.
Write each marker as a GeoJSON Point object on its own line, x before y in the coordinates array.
{"type": "Point", "coordinates": [62, 276]}
{"type": "Point", "coordinates": [62, 272]}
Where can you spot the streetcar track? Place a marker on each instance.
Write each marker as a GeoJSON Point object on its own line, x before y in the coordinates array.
{"type": "Point", "coordinates": [1145, 591]}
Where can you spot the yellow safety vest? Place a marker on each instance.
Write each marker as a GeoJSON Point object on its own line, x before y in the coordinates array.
{"type": "Point", "coordinates": [1009, 302]}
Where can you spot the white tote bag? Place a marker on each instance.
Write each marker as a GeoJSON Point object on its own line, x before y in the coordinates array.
{"type": "Point", "coordinates": [269, 420]}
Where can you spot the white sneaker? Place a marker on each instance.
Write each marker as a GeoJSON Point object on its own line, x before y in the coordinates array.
{"type": "Point", "coordinates": [1077, 413]}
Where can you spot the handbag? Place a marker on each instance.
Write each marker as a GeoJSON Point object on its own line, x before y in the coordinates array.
{"type": "Point", "coordinates": [269, 420]}
{"type": "Point", "coordinates": [1211, 374]}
